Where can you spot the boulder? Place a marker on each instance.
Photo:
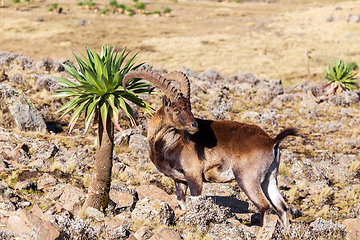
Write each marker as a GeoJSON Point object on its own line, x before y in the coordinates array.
{"type": "Point", "coordinates": [269, 231]}
{"type": "Point", "coordinates": [352, 228]}
{"type": "Point", "coordinates": [226, 230]}
{"type": "Point", "coordinates": [122, 199]}
{"type": "Point", "coordinates": [165, 234]}
{"type": "Point", "coordinates": [143, 233]}
{"type": "Point", "coordinates": [94, 214]}
{"type": "Point", "coordinates": [153, 211]}
{"type": "Point", "coordinates": [72, 198]}
{"type": "Point", "coordinates": [26, 116]}
{"type": "Point", "coordinates": [25, 185]}
{"type": "Point", "coordinates": [139, 146]}
{"type": "Point", "coordinates": [153, 192]}
{"type": "Point", "coordinates": [46, 181]}
{"type": "Point", "coordinates": [25, 223]}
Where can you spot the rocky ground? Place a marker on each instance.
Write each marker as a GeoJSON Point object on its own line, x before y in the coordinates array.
{"type": "Point", "coordinates": [45, 173]}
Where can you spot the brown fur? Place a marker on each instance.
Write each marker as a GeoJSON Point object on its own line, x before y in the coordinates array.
{"type": "Point", "coordinates": [217, 151]}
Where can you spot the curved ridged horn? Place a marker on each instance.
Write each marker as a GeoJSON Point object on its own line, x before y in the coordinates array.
{"type": "Point", "coordinates": [182, 80]}
{"type": "Point", "coordinates": [160, 81]}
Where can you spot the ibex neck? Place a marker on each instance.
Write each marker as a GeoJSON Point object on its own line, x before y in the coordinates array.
{"type": "Point", "coordinates": [162, 134]}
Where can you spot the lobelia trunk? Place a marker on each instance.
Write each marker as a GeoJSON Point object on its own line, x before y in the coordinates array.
{"type": "Point", "coordinates": [98, 191]}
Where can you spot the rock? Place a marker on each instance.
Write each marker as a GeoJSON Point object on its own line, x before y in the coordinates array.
{"type": "Point", "coordinates": [123, 137]}
{"type": "Point", "coordinates": [94, 214]}
{"type": "Point", "coordinates": [46, 181]}
{"type": "Point", "coordinates": [26, 116]}
{"type": "Point", "coordinates": [39, 19]}
{"type": "Point", "coordinates": [268, 89]}
{"type": "Point", "coordinates": [24, 222]}
{"type": "Point", "coordinates": [226, 230]}
{"type": "Point", "coordinates": [153, 211]}
{"type": "Point", "coordinates": [24, 204]}
{"type": "Point", "coordinates": [57, 194]}
{"type": "Point", "coordinates": [250, 116]}
{"type": "Point", "coordinates": [269, 231]}
{"type": "Point", "coordinates": [25, 185]}
{"type": "Point", "coordinates": [122, 200]}
{"type": "Point", "coordinates": [139, 146]}
{"type": "Point", "coordinates": [72, 198]}
{"type": "Point", "coordinates": [153, 192]}
{"type": "Point", "coordinates": [353, 18]}
{"type": "Point", "coordinates": [144, 233]}
{"type": "Point", "coordinates": [56, 210]}
{"type": "Point", "coordinates": [166, 234]}
{"type": "Point", "coordinates": [352, 228]}
{"type": "Point", "coordinates": [81, 22]}
{"type": "Point", "coordinates": [201, 212]}
{"type": "Point", "coordinates": [4, 166]}
{"type": "Point", "coordinates": [38, 164]}
{"type": "Point", "coordinates": [6, 205]}
{"type": "Point", "coordinates": [132, 237]}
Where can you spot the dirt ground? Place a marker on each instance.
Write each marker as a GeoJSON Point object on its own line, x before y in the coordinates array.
{"type": "Point", "coordinates": [268, 39]}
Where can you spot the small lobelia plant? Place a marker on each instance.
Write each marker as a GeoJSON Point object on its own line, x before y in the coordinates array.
{"type": "Point", "coordinates": [140, 6]}
{"type": "Point", "coordinates": [341, 76]}
{"type": "Point", "coordinates": [98, 93]}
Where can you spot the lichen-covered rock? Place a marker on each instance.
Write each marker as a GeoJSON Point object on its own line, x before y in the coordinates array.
{"type": "Point", "coordinates": [201, 211]}
{"type": "Point", "coordinates": [268, 89]}
{"type": "Point", "coordinates": [165, 234]}
{"type": "Point", "coordinates": [25, 223]}
{"type": "Point", "coordinates": [72, 198]}
{"type": "Point", "coordinates": [144, 233]}
{"type": "Point", "coordinates": [228, 231]}
{"type": "Point", "coordinates": [25, 185]}
{"type": "Point", "coordinates": [46, 181]}
{"type": "Point", "coordinates": [122, 199]}
{"type": "Point", "coordinates": [153, 192]}
{"type": "Point", "coordinates": [123, 137]}
{"type": "Point", "coordinates": [352, 228]}
{"type": "Point", "coordinates": [26, 116]}
{"type": "Point", "coordinates": [139, 146]}
{"type": "Point", "coordinates": [153, 211]}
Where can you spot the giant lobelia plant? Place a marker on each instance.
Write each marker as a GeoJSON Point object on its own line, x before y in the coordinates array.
{"type": "Point", "coordinates": [341, 76]}
{"type": "Point", "coordinates": [98, 94]}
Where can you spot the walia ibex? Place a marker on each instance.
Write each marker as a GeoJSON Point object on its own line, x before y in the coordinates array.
{"type": "Point", "coordinates": [193, 151]}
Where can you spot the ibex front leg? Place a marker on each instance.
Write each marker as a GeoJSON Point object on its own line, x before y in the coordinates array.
{"type": "Point", "coordinates": [181, 188]}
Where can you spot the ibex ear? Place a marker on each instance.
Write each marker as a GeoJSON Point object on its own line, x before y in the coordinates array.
{"type": "Point", "coordinates": [166, 102]}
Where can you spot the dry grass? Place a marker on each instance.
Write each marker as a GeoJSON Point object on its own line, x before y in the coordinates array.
{"type": "Point", "coordinates": [270, 40]}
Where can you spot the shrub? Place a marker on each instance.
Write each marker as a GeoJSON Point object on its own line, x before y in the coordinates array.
{"type": "Point", "coordinates": [50, 9]}
{"type": "Point", "coordinates": [54, 5]}
{"type": "Point", "coordinates": [156, 12]}
{"type": "Point", "coordinates": [167, 10]}
{"type": "Point", "coordinates": [104, 11]}
{"type": "Point", "coordinates": [120, 6]}
{"type": "Point", "coordinates": [113, 3]}
{"type": "Point", "coordinates": [80, 4]}
{"type": "Point", "coordinates": [16, 1]}
{"type": "Point", "coordinates": [341, 76]}
{"type": "Point", "coordinates": [140, 5]}
{"type": "Point", "coordinates": [92, 4]}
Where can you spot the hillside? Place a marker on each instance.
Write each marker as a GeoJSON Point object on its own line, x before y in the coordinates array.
{"type": "Point", "coordinates": [246, 62]}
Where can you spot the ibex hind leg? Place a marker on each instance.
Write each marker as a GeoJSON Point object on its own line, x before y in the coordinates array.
{"type": "Point", "coordinates": [271, 189]}
{"type": "Point", "coordinates": [252, 188]}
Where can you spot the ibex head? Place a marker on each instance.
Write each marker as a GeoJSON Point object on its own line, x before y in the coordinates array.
{"type": "Point", "coordinates": [177, 107]}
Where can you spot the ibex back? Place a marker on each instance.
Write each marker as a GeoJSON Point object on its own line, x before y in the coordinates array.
{"type": "Point", "coordinates": [193, 151]}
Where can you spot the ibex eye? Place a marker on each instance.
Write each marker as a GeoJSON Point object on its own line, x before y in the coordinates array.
{"type": "Point", "coordinates": [176, 111]}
